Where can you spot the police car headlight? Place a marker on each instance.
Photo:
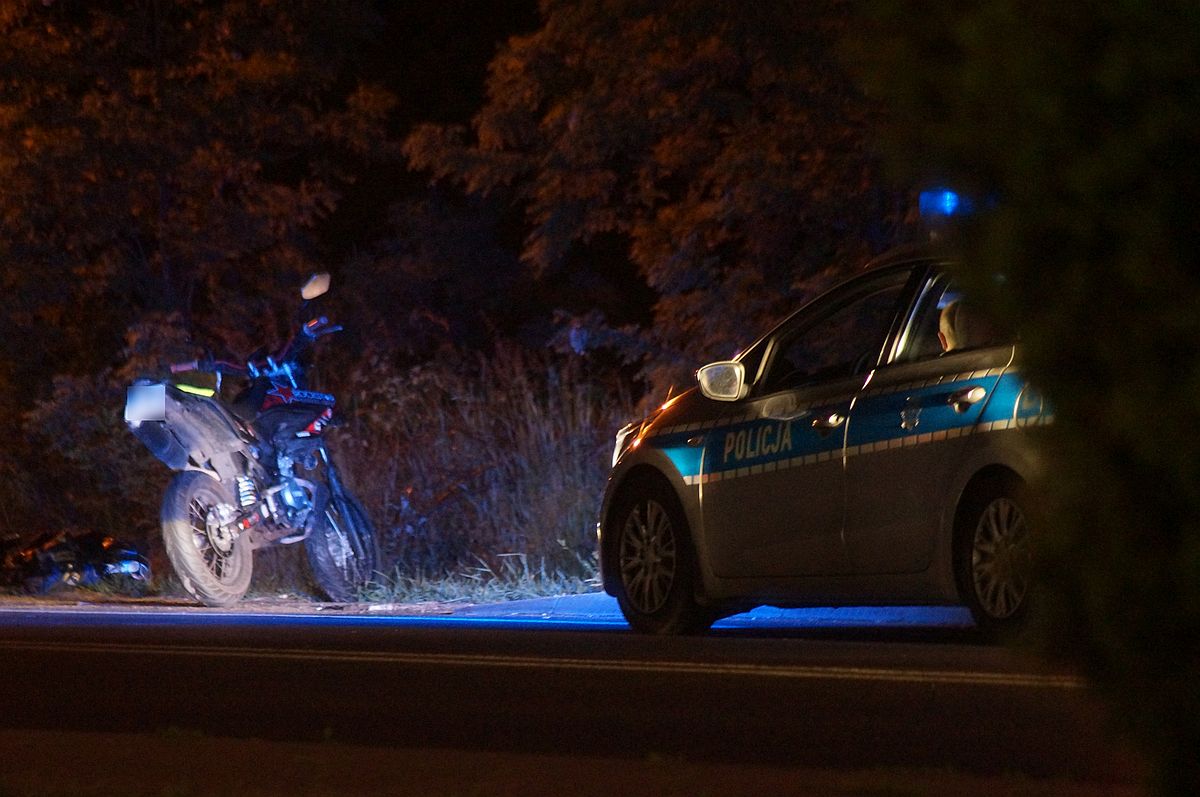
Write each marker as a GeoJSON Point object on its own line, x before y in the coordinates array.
{"type": "Point", "coordinates": [624, 436]}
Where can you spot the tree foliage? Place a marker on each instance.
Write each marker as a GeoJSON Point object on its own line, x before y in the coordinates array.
{"type": "Point", "coordinates": [162, 156]}
{"type": "Point", "coordinates": [1082, 122]}
{"type": "Point", "coordinates": [441, 277]}
{"type": "Point", "coordinates": [162, 159]}
{"type": "Point", "coordinates": [719, 142]}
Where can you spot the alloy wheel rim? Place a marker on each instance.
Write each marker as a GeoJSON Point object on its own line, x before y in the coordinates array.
{"type": "Point", "coordinates": [648, 557]}
{"type": "Point", "coordinates": [1000, 558]}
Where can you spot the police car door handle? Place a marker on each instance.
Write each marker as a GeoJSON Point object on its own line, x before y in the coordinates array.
{"type": "Point", "coordinates": [783, 408]}
{"type": "Point", "coordinates": [827, 422]}
{"type": "Point", "coordinates": [963, 400]}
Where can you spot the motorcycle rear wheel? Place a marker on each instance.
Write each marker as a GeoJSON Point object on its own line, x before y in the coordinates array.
{"type": "Point", "coordinates": [215, 569]}
{"type": "Point", "coordinates": [342, 549]}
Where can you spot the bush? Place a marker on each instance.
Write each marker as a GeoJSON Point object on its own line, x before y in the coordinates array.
{"type": "Point", "coordinates": [1081, 121]}
{"type": "Point", "coordinates": [83, 465]}
{"type": "Point", "coordinates": [467, 463]}
{"type": "Point", "coordinates": [469, 459]}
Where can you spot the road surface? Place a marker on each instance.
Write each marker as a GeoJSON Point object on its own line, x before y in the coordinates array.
{"type": "Point", "coordinates": [838, 690]}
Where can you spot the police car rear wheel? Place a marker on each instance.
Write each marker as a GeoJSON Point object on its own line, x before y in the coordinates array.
{"type": "Point", "coordinates": [993, 555]}
{"type": "Point", "coordinates": [655, 565]}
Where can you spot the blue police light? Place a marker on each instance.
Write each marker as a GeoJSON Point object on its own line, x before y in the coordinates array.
{"type": "Point", "coordinates": [942, 202]}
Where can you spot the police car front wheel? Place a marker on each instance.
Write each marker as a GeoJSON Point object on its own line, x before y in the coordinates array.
{"type": "Point", "coordinates": [655, 564]}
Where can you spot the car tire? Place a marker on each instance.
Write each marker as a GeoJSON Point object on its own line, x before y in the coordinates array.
{"type": "Point", "coordinates": [993, 559]}
{"type": "Point", "coordinates": [655, 565]}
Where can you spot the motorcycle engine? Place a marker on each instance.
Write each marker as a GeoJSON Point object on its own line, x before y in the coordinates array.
{"type": "Point", "coordinates": [295, 497]}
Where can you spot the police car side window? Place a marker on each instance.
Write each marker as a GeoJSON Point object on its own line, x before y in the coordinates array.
{"type": "Point", "coordinates": [841, 341]}
{"type": "Point", "coordinates": [921, 338]}
{"type": "Point", "coordinates": [961, 322]}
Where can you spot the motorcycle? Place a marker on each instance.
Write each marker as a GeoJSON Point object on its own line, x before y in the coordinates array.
{"type": "Point", "coordinates": [57, 558]}
{"type": "Point", "coordinates": [253, 472]}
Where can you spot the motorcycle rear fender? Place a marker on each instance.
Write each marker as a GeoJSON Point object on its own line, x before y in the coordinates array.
{"type": "Point", "coordinates": [197, 433]}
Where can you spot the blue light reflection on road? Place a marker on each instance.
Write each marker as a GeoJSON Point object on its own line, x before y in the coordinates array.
{"type": "Point", "coordinates": [577, 612]}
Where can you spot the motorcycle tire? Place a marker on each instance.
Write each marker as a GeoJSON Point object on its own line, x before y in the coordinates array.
{"type": "Point", "coordinates": [214, 567]}
{"type": "Point", "coordinates": [342, 550]}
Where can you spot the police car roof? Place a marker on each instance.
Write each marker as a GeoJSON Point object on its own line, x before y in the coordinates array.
{"type": "Point", "coordinates": [905, 253]}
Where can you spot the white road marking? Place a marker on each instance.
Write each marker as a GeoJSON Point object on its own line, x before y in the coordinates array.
{"type": "Point", "coordinates": [793, 672]}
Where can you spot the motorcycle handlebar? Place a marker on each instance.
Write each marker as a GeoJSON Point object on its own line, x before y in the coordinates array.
{"type": "Point", "coordinates": [316, 328]}
{"type": "Point", "coordinates": [308, 333]}
{"type": "Point", "coordinates": [319, 327]}
{"type": "Point", "coordinates": [207, 366]}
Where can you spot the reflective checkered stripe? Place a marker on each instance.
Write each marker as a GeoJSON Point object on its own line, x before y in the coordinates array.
{"type": "Point", "coordinates": [749, 445]}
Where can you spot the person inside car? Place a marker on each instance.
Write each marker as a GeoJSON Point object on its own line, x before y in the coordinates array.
{"type": "Point", "coordinates": [960, 326]}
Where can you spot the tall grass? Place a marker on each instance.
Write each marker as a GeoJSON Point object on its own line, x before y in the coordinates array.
{"type": "Point", "coordinates": [469, 460]}
{"type": "Point", "coordinates": [515, 578]}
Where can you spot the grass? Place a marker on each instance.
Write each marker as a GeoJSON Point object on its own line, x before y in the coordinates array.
{"type": "Point", "coordinates": [513, 579]}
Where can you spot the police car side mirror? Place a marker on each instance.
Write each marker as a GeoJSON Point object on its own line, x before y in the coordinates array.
{"type": "Point", "coordinates": [723, 381]}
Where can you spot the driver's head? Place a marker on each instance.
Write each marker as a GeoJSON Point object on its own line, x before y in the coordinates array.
{"type": "Point", "coordinates": [950, 326]}
{"type": "Point", "coordinates": [962, 326]}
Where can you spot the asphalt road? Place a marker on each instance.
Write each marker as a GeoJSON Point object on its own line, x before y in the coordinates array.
{"type": "Point", "coordinates": [843, 698]}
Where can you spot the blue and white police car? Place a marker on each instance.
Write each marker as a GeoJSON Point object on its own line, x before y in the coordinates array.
{"type": "Point", "coordinates": [871, 449]}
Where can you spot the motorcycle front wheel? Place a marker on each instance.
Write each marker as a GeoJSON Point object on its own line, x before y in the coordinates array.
{"type": "Point", "coordinates": [212, 563]}
{"type": "Point", "coordinates": [342, 550]}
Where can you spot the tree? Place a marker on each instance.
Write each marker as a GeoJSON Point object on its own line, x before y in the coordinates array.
{"type": "Point", "coordinates": [1081, 122]}
{"type": "Point", "coordinates": [717, 143]}
{"type": "Point", "coordinates": [163, 158]}
{"type": "Point", "coordinates": [159, 156]}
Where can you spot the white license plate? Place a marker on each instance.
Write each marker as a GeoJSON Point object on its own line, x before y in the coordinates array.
{"type": "Point", "coordinates": [146, 403]}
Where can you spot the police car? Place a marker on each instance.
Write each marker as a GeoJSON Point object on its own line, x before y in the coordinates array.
{"type": "Point", "coordinates": [872, 449]}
